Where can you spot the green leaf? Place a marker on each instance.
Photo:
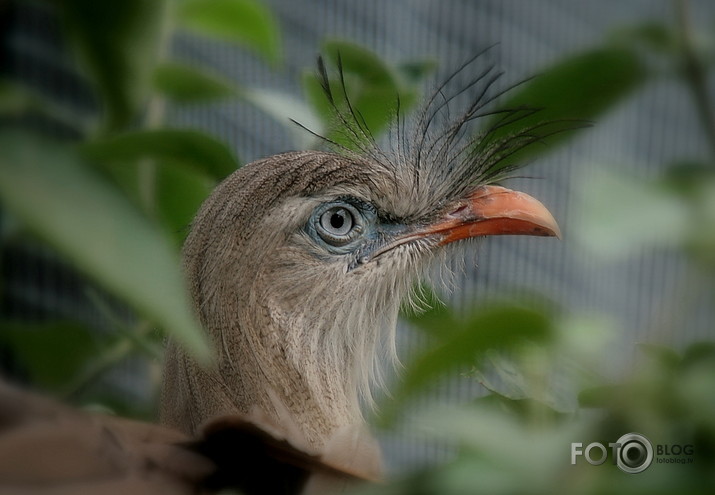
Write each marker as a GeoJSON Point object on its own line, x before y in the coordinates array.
{"type": "Point", "coordinates": [359, 60]}
{"type": "Point", "coordinates": [503, 455]}
{"type": "Point", "coordinates": [434, 317]}
{"type": "Point", "coordinates": [698, 352]}
{"type": "Point", "coordinates": [695, 187]}
{"type": "Point", "coordinates": [118, 43]}
{"type": "Point", "coordinates": [511, 383]}
{"type": "Point", "coordinates": [18, 101]}
{"type": "Point", "coordinates": [372, 88]}
{"type": "Point", "coordinates": [524, 409]}
{"type": "Point", "coordinates": [601, 396]}
{"type": "Point", "coordinates": [45, 185]}
{"type": "Point", "coordinates": [247, 22]}
{"type": "Point", "coordinates": [654, 36]}
{"type": "Point", "coordinates": [575, 89]}
{"type": "Point", "coordinates": [180, 193]}
{"type": "Point", "coordinates": [415, 72]}
{"type": "Point", "coordinates": [193, 149]}
{"type": "Point", "coordinates": [497, 327]}
{"type": "Point", "coordinates": [664, 357]}
{"type": "Point", "coordinates": [14, 99]}
{"type": "Point", "coordinates": [186, 84]}
{"type": "Point", "coordinates": [52, 354]}
{"type": "Point", "coordinates": [637, 214]}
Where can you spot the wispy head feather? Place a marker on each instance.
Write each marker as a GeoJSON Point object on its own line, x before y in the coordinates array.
{"type": "Point", "coordinates": [465, 134]}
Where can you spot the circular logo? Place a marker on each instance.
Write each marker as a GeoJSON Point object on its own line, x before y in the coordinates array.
{"type": "Point", "coordinates": [635, 453]}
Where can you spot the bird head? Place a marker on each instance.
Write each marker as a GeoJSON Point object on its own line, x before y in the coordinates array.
{"type": "Point", "coordinates": [298, 264]}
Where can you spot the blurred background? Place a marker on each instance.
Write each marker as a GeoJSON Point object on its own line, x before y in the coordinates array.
{"type": "Point", "coordinates": [117, 119]}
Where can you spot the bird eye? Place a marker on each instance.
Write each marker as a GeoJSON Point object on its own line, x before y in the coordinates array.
{"type": "Point", "coordinates": [338, 225]}
{"type": "Point", "coordinates": [337, 221]}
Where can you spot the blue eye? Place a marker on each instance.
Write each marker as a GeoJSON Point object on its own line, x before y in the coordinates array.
{"type": "Point", "coordinates": [338, 224]}
{"type": "Point", "coordinates": [337, 221]}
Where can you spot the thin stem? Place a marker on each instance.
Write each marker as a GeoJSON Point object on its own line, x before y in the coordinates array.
{"type": "Point", "coordinates": [139, 334]}
{"type": "Point", "coordinates": [695, 73]}
{"type": "Point", "coordinates": [131, 339]}
{"type": "Point", "coordinates": [105, 361]}
{"type": "Point", "coordinates": [109, 358]}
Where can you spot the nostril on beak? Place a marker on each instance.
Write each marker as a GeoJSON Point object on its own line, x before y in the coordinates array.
{"type": "Point", "coordinates": [458, 210]}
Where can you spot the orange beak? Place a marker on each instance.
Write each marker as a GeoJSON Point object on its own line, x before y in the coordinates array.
{"type": "Point", "coordinates": [488, 210]}
{"type": "Point", "coordinates": [493, 210]}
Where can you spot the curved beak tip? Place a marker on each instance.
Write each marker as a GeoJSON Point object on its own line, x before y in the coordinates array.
{"type": "Point", "coordinates": [534, 212]}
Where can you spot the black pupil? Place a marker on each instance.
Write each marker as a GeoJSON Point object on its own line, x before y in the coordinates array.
{"type": "Point", "coordinates": [337, 220]}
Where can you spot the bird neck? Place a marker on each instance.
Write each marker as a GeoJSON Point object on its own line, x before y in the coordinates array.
{"type": "Point", "coordinates": [272, 362]}
{"type": "Point", "coordinates": [290, 382]}
{"type": "Point", "coordinates": [307, 382]}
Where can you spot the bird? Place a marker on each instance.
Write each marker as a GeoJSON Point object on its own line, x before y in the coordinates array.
{"type": "Point", "coordinates": [297, 265]}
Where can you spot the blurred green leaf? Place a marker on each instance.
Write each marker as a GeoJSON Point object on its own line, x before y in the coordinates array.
{"type": "Point", "coordinates": [697, 384]}
{"type": "Point", "coordinates": [699, 241]}
{"type": "Point", "coordinates": [524, 409]}
{"type": "Point", "coordinates": [118, 43]}
{"type": "Point", "coordinates": [658, 386]}
{"type": "Point", "coordinates": [51, 353]}
{"type": "Point", "coordinates": [509, 381]}
{"type": "Point", "coordinates": [180, 193]}
{"type": "Point", "coordinates": [676, 211]}
{"type": "Point", "coordinates": [637, 214]}
{"type": "Point", "coordinates": [497, 327]}
{"type": "Point", "coordinates": [502, 450]}
{"type": "Point", "coordinates": [247, 22]}
{"type": "Point", "coordinates": [654, 36]}
{"type": "Point", "coordinates": [665, 357]}
{"type": "Point", "coordinates": [371, 85]}
{"type": "Point", "coordinates": [699, 351]}
{"type": "Point", "coordinates": [431, 315]}
{"type": "Point", "coordinates": [575, 89]}
{"type": "Point", "coordinates": [498, 453]}
{"type": "Point", "coordinates": [416, 71]}
{"type": "Point", "coordinates": [44, 184]}
{"type": "Point", "coordinates": [186, 84]}
{"type": "Point", "coordinates": [493, 327]}
{"type": "Point", "coordinates": [15, 99]}
{"type": "Point", "coordinates": [686, 177]}
{"type": "Point", "coordinates": [359, 60]}
{"type": "Point", "coordinates": [190, 148]}
{"type": "Point", "coordinates": [599, 396]}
